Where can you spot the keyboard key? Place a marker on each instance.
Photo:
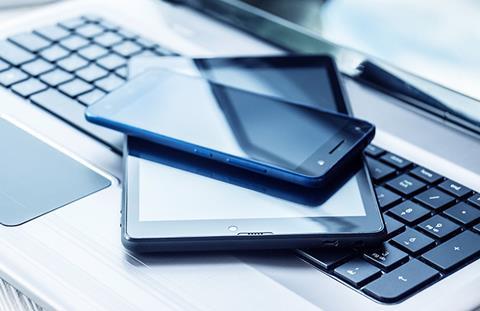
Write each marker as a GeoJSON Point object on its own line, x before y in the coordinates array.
{"type": "Point", "coordinates": [75, 87]}
{"type": "Point", "coordinates": [29, 87]}
{"type": "Point", "coordinates": [327, 258]}
{"type": "Point", "coordinates": [53, 33]}
{"type": "Point", "coordinates": [108, 39]}
{"type": "Point", "coordinates": [127, 48]}
{"type": "Point", "coordinates": [91, 97]}
{"type": "Point", "coordinates": [108, 25]}
{"type": "Point", "coordinates": [439, 227]}
{"type": "Point", "coordinates": [386, 197]}
{"type": "Point", "coordinates": [379, 170]}
{"type": "Point", "coordinates": [74, 43]}
{"type": "Point", "coordinates": [148, 44]}
{"type": "Point", "coordinates": [37, 67]}
{"type": "Point", "coordinates": [73, 112]}
{"type": "Point", "coordinates": [30, 41]}
{"type": "Point", "coordinates": [91, 73]}
{"type": "Point", "coordinates": [413, 241]}
{"type": "Point", "coordinates": [12, 76]}
{"type": "Point", "coordinates": [476, 228]}
{"type": "Point", "coordinates": [56, 77]}
{"type": "Point", "coordinates": [89, 30]}
{"type": "Point", "coordinates": [387, 257]}
{"type": "Point", "coordinates": [357, 272]}
{"type": "Point", "coordinates": [122, 72]}
{"type": "Point", "coordinates": [127, 34]}
{"type": "Point", "coordinates": [3, 65]}
{"type": "Point", "coordinates": [425, 175]}
{"type": "Point", "coordinates": [454, 188]}
{"type": "Point", "coordinates": [475, 200]}
{"type": "Point", "coordinates": [434, 198]}
{"type": "Point", "coordinates": [395, 160]}
{"type": "Point", "coordinates": [92, 18]}
{"type": "Point", "coordinates": [392, 225]}
{"type": "Point", "coordinates": [72, 63]}
{"type": "Point", "coordinates": [463, 213]}
{"type": "Point", "coordinates": [401, 281]}
{"type": "Point", "coordinates": [112, 61]}
{"type": "Point", "coordinates": [455, 251]}
{"type": "Point", "coordinates": [93, 52]}
{"type": "Point", "coordinates": [109, 83]}
{"type": "Point", "coordinates": [72, 23]}
{"type": "Point", "coordinates": [409, 212]}
{"type": "Point", "coordinates": [406, 184]}
{"type": "Point", "coordinates": [54, 53]}
{"type": "Point", "coordinates": [13, 54]}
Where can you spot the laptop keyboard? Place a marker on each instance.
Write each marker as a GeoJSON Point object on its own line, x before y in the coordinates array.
{"type": "Point", "coordinates": [433, 230]}
{"type": "Point", "coordinates": [433, 223]}
{"type": "Point", "coordinates": [67, 66]}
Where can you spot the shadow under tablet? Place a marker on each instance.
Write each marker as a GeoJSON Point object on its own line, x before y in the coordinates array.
{"type": "Point", "coordinates": [312, 197]}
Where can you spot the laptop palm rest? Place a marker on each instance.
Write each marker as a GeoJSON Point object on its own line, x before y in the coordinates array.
{"type": "Point", "coordinates": [35, 178]}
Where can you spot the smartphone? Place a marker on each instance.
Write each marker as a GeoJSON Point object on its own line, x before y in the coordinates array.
{"type": "Point", "coordinates": [268, 135]}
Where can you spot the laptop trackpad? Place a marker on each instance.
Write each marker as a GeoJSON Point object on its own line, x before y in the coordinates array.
{"type": "Point", "coordinates": [35, 178]}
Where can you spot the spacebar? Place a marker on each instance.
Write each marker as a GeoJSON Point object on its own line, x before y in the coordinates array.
{"type": "Point", "coordinates": [73, 113]}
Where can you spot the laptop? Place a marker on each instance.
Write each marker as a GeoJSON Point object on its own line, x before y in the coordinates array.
{"type": "Point", "coordinates": [61, 58]}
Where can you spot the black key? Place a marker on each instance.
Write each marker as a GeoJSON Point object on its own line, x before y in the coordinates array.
{"type": "Point", "coordinates": [402, 281]}
{"type": "Point", "coordinates": [30, 41]}
{"type": "Point", "coordinates": [434, 198]}
{"type": "Point", "coordinates": [327, 258]}
{"type": "Point", "coordinates": [127, 48]}
{"type": "Point", "coordinates": [72, 63]}
{"type": "Point", "coordinates": [463, 213]}
{"type": "Point", "coordinates": [455, 251]}
{"type": "Point", "coordinates": [409, 212]}
{"type": "Point", "coordinates": [75, 87]}
{"type": "Point", "coordinates": [37, 67]}
{"type": "Point", "coordinates": [89, 30]}
{"type": "Point", "coordinates": [395, 160]}
{"type": "Point", "coordinates": [12, 76]}
{"type": "Point", "coordinates": [13, 54]}
{"type": "Point", "coordinates": [3, 65]}
{"type": "Point", "coordinates": [112, 61]}
{"type": "Point", "coordinates": [91, 97]}
{"type": "Point", "coordinates": [29, 87]}
{"type": "Point", "coordinates": [53, 33]}
{"type": "Point", "coordinates": [476, 228]}
{"type": "Point", "coordinates": [454, 188]}
{"type": "Point", "coordinates": [108, 39]}
{"type": "Point", "coordinates": [379, 170]}
{"type": "Point", "coordinates": [122, 72]}
{"type": "Point", "coordinates": [386, 257]}
{"type": "Point", "coordinates": [109, 83]}
{"type": "Point", "coordinates": [73, 112]}
{"type": "Point", "coordinates": [72, 23]}
{"type": "Point", "coordinates": [475, 200]}
{"type": "Point", "coordinates": [74, 43]}
{"type": "Point", "coordinates": [386, 197]}
{"type": "Point", "coordinates": [54, 53]}
{"type": "Point", "coordinates": [392, 225]}
{"type": "Point", "coordinates": [357, 272]}
{"type": "Point", "coordinates": [372, 150]}
{"type": "Point", "coordinates": [425, 175]}
{"type": "Point", "coordinates": [413, 241]}
{"type": "Point", "coordinates": [56, 77]}
{"type": "Point", "coordinates": [93, 52]}
{"type": "Point", "coordinates": [439, 227]}
{"type": "Point", "coordinates": [91, 73]}
{"type": "Point", "coordinates": [406, 184]}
